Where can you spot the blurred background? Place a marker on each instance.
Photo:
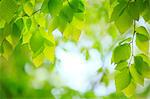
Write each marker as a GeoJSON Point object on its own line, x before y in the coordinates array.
{"type": "Point", "coordinates": [82, 69]}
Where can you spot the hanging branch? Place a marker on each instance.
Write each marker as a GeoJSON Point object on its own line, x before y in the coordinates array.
{"type": "Point", "coordinates": [132, 43]}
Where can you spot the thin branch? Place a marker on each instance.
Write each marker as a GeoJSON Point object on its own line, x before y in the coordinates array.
{"type": "Point", "coordinates": [35, 12]}
{"type": "Point", "coordinates": [132, 44]}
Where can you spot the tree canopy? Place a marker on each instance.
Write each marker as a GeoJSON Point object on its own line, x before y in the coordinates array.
{"type": "Point", "coordinates": [28, 37]}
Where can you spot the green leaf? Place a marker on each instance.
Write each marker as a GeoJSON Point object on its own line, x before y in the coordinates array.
{"type": "Point", "coordinates": [124, 22]}
{"type": "Point", "coordinates": [122, 79]}
{"type": "Point", "coordinates": [7, 47]}
{"type": "Point", "coordinates": [142, 39]}
{"type": "Point", "coordinates": [100, 70]}
{"type": "Point", "coordinates": [2, 23]}
{"type": "Point", "coordinates": [44, 7]}
{"type": "Point", "coordinates": [105, 79]}
{"type": "Point", "coordinates": [122, 65]}
{"type": "Point", "coordinates": [121, 53]}
{"type": "Point", "coordinates": [117, 11]}
{"type": "Point", "coordinates": [72, 33]}
{"type": "Point", "coordinates": [38, 60]}
{"type": "Point", "coordinates": [7, 9]}
{"type": "Point", "coordinates": [28, 23]}
{"type": "Point", "coordinates": [4, 32]}
{"type": "Point", "coordinates": [145, 58]}
{"type": "Point", "coordinates": [17, 27]}
{"type": "Point", "coordinates": [145, 70]}
{"type": "Point", "coordinates": [136, 76]}
{"type": "Point", "coordinates": [16, 30]}
{"type": "Point", "coordinates": [49, 53]}
{"type": "Point", "coordinates": [28, 8]}
{"type": "Point", "coordinates": [67, 13]}
{"type": "Point", "coordinates": [130, 90]}
{"type": "Point", "coordinates": [77, 5]}
{"type": "Point", "coordinates": [54, 6]}
{"type": "Point", "coordinates": [142, 43]}
{"type": "Point", "coordinates": [142, 31]}
{"type": "Point", "coordinates": [142, 66]}
{"type": "Point", "coordinates": [36, 41]}
{"type": "Point", "coordinates": [134, 9]}
{"type": "Point", "coordinates": [112, 30]}
{"type": "Point", "coordinates": [138, 63]}
{"type": "Point", "coordinates": [1, 35]}
{"type": "Point", "coordinates": [146, 14]}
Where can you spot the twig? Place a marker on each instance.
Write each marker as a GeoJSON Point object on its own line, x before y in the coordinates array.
{"type": "Point", "coordinates": [35, 12]}
{"type": "Point", "coordinates": [132, 44]}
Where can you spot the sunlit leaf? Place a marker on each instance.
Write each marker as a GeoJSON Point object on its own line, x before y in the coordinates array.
{"type": "Point", "coordinates": [2, 23]}
{"type": "Point", "coordinates": [124, 22]}
{"type": "Point", "coordinates": [55, 6]}
{"type": "Point", "coordinates": [72, 33]}
{"type": "Point", "coordinates": [136, 76]}
{"type": "Point", "coordinates": [122, 79]}
{"type": "Point", "coordinates": [36, 41]}
{"type": "Point", "coordinates": [122, 65]}
{"type": "Point", "coordinates": [28, 8]}
{"type": "Point", "coordinates": [49, 53]}
{"type": "Point", "coordinates": [7, 9]}
{"type": "Point", "coordinates": [7, 47]}
{"type": "Point", "coordinates": [130, 90]}
{"type": "Point", "coordinates": [142, 45]}
{"type": "Point", "coordinates": [142, 65]}
{"type": "Point", "coordinates": [142, 31]}
{"type": "Point", "coordinates": [38, 60]}
{"type": "Point", "coordinates": [118, 11]}
{"type": "Point", "coordinates": [118, 53]}
{"type": "Point", "coordinates": [67, 13]}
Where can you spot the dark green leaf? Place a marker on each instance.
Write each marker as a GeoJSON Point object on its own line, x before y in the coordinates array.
{"type": "Point", "coordinates": [76, 5]}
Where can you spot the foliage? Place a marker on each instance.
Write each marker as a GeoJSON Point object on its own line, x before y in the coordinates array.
{"type": "Point", "coordinates": [26, 37]}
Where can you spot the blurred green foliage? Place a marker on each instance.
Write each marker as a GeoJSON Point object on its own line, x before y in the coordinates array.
{"type": "Point", "coordinates": [26, 38]}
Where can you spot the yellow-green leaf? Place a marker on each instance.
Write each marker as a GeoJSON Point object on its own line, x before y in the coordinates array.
{"type": "Point", "coordinates": [122, 65]}
{"type": "Point", "coordinates": [36, 41]}
{"type": "Point", "coordinates": [130, 90]}
{"type": "Point", "coordinates": [122, 79]}
{"type": "Point", "coordinates": [136, 76]}
{"type": "Point", "coordinates": [124, 22]}
{"type": "Point", "coordinates": [121, 53]}
{"type": "Point", "coordinates": [7, 9]}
